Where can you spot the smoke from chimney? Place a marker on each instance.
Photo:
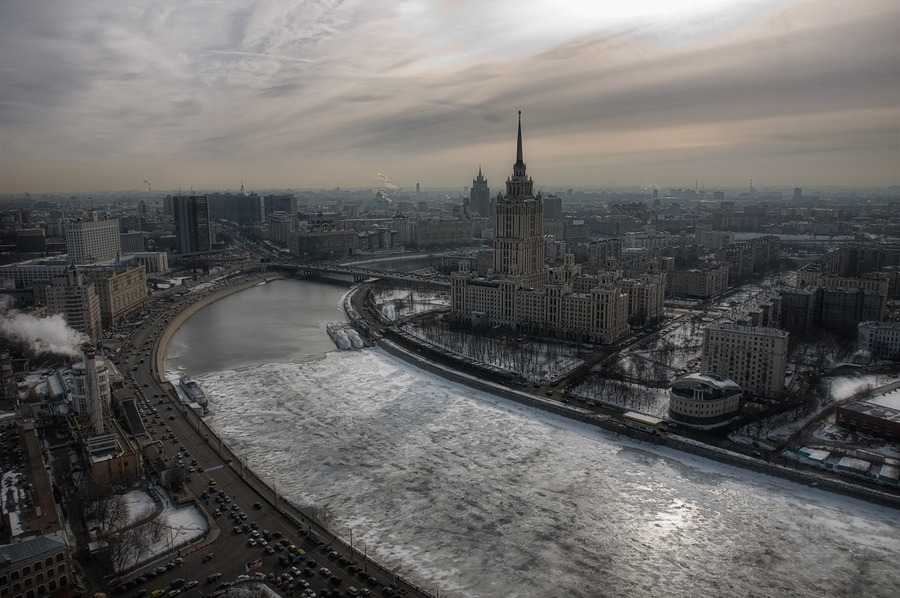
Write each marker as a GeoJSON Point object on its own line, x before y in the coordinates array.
{"type": "Point", "coordinates": [40, 336]}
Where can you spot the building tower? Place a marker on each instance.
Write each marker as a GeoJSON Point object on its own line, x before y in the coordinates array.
{"type": "Point", "coordinates": [519, 227]}
{"type": "Point", "coordinates": [90, 388]}
{"type": "Point", "coordinates": [480, 195]}
{"type": "Point", "coordinates": [193, 233]}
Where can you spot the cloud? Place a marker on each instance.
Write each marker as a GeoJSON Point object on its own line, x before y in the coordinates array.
{"type": "Point", "coordinates": [321, 93]}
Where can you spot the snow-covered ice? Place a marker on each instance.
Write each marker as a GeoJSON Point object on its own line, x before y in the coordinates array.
{"type": "Point", "coordinates": [477, 496]}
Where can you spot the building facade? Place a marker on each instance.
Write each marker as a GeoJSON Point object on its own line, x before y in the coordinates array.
{"type": "Point", "coordinates": [75, 298]}
{"type": "Point", "coordinates": [753, 357]}
{"type": "Point", "coordinates": [92, 241]}
{"type": "Point", "coordinates": [193, 233]}
{"type": "Point", "coordinates": [706, 282]}
{"type": "Point", "coordinates": [881, 339]}
{"type": "Point", "coordinates": [36, 567]}
{"type": "Point", "coordinates": [122, 291]}
{"type": "Point", "coordinates": [703, 399]}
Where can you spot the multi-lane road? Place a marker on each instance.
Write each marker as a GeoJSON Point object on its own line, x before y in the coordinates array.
{"type": "Point", "coordinates": [221, 483]}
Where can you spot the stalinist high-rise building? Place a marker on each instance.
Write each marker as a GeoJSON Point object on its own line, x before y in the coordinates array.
{"type": "Point", "coordinates": [521, 293]}
{"type": "Point", "coordinates": [480, 196]}
{"type": "Point", "coordinates": [519, 227]}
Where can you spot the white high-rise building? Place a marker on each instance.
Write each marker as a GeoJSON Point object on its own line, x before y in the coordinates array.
{"type": "Point", "coordinates": [93, 241]}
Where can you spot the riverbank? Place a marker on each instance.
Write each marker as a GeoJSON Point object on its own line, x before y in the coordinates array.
{"type": "Point", "coordinates": [412, 351]}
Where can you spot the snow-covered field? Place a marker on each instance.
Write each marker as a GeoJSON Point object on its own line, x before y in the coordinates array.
{"type": "Point", "coordinates": [476, 496]}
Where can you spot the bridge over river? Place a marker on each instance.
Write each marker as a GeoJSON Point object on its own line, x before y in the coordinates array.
{"type": "Point", "coordinates": [362, 274]}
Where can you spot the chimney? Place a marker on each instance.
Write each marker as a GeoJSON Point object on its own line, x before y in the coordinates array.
{"type": "Point", "coordinates": [93, 388]}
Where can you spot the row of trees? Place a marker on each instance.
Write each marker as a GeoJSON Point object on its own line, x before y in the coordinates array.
{"type": "Point", "coordinates": [536, 361]}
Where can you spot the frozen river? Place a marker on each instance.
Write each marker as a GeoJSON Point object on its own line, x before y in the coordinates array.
{"type": "Point", "coordinates": [476, 496]}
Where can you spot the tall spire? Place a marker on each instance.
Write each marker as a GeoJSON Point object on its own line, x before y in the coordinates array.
{"type": "Point", "coordinates": [519, 143]}
{"type": "Point", "coordinates": [519, 185]}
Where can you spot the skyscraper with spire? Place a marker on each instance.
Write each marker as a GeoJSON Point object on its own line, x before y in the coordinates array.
{"type": "Point", "coordinates": [519, 226]}
{"type": "Point", "coordinates": [520, 292]}
{"type": "Point", "coordinates": [480, 196]}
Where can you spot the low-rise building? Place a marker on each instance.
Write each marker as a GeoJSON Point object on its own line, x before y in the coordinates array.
{"type": "Point", "coordinates": [34, 567]}
{"type": "Point", "coordinates": [699, 399]}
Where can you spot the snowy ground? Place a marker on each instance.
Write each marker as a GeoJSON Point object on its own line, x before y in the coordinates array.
{"type": "Point", "coordinates": [476, 496]}
{"type": "Point", "coordinates": [179, 526]}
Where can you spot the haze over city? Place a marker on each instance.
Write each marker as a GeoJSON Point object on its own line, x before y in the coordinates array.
{"type": "Point", "coordinates": [108, 95]}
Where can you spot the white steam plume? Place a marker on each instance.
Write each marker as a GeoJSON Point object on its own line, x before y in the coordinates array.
{"type": "Point", "coordinates": [387, 183]}
{"type": "Point", "coordinates": [41, 335]}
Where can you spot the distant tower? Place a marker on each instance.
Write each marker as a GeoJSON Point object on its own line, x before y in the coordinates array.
{"type": "Point", "coordinates": [798, 193]}
{"type": "Point", "coordinates": [193, 233]}
{"type": "Point", "coordinates": [480, 195]}
{"type": "Point", "coordinates": [418, 189]}
{"type": "Point", "coordinates": [519, 227]}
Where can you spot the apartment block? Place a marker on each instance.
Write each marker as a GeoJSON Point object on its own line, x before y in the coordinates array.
{"type": "Point", "coordinates": [753, 357]}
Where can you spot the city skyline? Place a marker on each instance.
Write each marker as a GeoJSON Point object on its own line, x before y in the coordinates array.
{"type": "Point", "coordinates": [318, 95]}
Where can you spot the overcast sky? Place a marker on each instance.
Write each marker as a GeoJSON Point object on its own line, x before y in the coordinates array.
{"type": "Point", "coordinates": [324, 93]}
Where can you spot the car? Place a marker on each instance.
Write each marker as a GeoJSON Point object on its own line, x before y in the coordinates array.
{"type": "Point", "coordinates": [140, 593]}
{"type": "Point", "coordinates": [251, 541]}
{"type": "Point", "coordinates": [172, 417]}
{"type": "Point", "coordinates": [242, 577]}
{"type": "Point", "coordinates": [213, 577]}
{"type": "Point", "coordinates": [262, 542]}
{"type": "Point", "coordinates": [335, 580]}
{"type": "Point", "coordinates": [207, 557]}
{"type": "Point", "coordinates": [270, 550]}
{"type": "Point", "coordinates": [160, 570]}
{"type": "Point", "coordinates": [325, 571]}
{"type": "Point", "coordinates": [260, 575]}
{"type": "Point", "coordinates": [141, 580]}
{"type": "Point", "coordinates": [333, 554]}
{"type": "Point", "coordinates": [257, 505]}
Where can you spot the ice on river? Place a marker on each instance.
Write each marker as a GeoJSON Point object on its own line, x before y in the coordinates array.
{"type": "Point", "coordinates": [476, 496]}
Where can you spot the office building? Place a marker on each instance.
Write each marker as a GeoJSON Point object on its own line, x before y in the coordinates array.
{"type": "Point", "coordinates": [193, 233]}
{"type": "Point", "coordinates": [92, 241]}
